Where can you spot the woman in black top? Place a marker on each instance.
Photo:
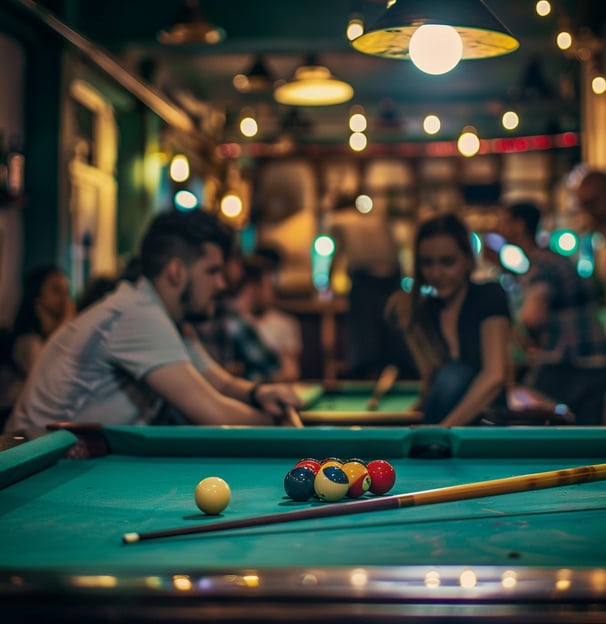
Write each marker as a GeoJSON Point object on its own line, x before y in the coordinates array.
{"type": "Point", "coordinates": [458, 331]}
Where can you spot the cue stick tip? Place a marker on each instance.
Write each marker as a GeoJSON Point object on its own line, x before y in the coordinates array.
{"type": "Point", "coordinates": [130, 538]}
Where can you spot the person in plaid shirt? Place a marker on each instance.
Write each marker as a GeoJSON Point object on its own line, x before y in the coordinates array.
{"type": "Point", "coordinates": [231, 337]}
{"type": "Point", "coordinates": [559, 310]}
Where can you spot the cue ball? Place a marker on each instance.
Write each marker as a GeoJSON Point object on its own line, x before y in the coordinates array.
{"type": "Point", "coordinates": [331, 483]}
{"type": "Point", "coordinates": [212, 495]}
{"type": "Point", "coordinates": [382, 476]}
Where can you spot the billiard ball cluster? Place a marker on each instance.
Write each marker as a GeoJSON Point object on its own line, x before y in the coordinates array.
{"type": "Point", "coordinates": [333, 479]}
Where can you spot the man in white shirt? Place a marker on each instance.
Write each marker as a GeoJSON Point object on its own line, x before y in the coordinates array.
{"type": "Point", "coordinates": [114, 363]}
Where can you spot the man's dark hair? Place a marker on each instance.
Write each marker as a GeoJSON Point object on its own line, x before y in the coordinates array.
{"type": "Point", "coordinates": [254, 268]}
{"type": "Point", "coordinates": [273, 255]}
{"type": "Point", "coordinates": [529, 213]}
{"type": "Point", "coordinates": [183, 235]}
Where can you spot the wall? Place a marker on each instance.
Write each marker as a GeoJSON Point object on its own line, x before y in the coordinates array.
{"type": "Point", "coordinates": [12, 78]}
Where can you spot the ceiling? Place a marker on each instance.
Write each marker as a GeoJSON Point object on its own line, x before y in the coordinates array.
{"type": "Point", "coordinates": [538, 80]}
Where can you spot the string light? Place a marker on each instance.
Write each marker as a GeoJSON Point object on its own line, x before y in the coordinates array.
{"type": "Point", "coordinates": [432, 124]}
{"type": "Point", "coordinates": [364, 204]}
{"type": "Point", "coordinates": [358, 122]}
{"type": "Point", "coordinates": [564, 40]}
{"type": "Point", "coordinates": [510, 120]}
{"type": "Point", "coordinates": [249, 127]}
{"type": "Point", "coordinates": [358, 141]}
{"type": "Point", "coordinates": [468, 143]}
{"type": "Point", "coordinates": [231, 205]}
{"type": "Point", "coordinates": [179, 168]}
{"type": "Point", "coordinates": [598, 85]}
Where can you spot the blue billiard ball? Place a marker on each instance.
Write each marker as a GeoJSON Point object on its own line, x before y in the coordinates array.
{"type": "Point", "coordinates": [299, 483]}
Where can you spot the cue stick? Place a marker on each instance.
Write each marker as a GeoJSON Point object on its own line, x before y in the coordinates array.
{"type": "Point", "coordinates": [292, 415]}
{"type": "Point", "coordinates": [386, 380]}
{"type": "Point", "coordinates": [466, 491]}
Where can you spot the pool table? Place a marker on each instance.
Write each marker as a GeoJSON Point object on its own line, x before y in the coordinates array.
{"type": "Point", "coordinates": [344, 402]}
{"type": "Point", "coordinates": [536, 556]}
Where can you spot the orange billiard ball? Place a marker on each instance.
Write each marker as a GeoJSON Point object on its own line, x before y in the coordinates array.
{"type": "Point", "coordinates": [358, 477]}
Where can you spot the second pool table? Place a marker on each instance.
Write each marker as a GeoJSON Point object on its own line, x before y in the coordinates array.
{"type": "Point", "coordinates": [343, 402]}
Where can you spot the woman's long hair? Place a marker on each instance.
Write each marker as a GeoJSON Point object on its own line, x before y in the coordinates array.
{"type": "Point", "coordinates": [27, 320]}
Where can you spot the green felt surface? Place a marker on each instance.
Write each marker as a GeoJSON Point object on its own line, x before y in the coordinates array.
{"type": "Point", "coordinates": [353, 397]}
{"type": "Point", "coordinates": [71, 514]}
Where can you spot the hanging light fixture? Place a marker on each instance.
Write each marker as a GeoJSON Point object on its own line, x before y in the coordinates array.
{"type": "Point", "coordinates": [191, 26]}
{"type": "Point", "coordinates": [482, 34]}
{"type": "Point", "coordinates": [313, 85]}
{"type": "Point", "coordinates": [256, 79]}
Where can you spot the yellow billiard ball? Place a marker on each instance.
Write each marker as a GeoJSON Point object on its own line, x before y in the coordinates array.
{"type": "Point", "coordinates": [331, 483]}
{"type": "Point", "coordinates": [212, 495]}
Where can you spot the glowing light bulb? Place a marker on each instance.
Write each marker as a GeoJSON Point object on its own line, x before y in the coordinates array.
{"type": "Point", "coordinates": [324, 245]}
{"type": "Point", "coordinates": [249, 127]}
{"type": "Point", "coordinates": [364, 204]}
{"type": "Point", "coordinates": [355, 28]}
{"type": "Point", "coordinates": [468, 144]}
{"type": "Point", "coordinates": [435, 48]}
{"type": "Point", "coordinates": [358, 141]}
{"type": "Point", "coordinates": [510, 120]}
{"type": "Point", "coordinates": [432, 124]}
{"type": "Point", "coordinates": [185, 200]}
{"type": "Point", "coordinates": [598, 85]}
{"type": "Point", "coordinates": [564, 40]}
{"type": "Point", "coordinates": [231, 206]}
{"type": "Point", "coordinates": [179, 168]}
{"type": "Point", "coordinates": [358, 122]}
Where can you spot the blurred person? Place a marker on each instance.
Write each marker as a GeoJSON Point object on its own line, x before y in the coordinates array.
{"type": "Point", "coordinates": [121, 358]}
{"type": "Point", "coordinates": [458, 331]}
{"type": "Point", "coordinates": [591, 197]}
{"type": "Point", "coordinates": [559, 311]}
{"type": "Point", "coordinates": [280, 331]}
{"type": "Point", "coordinates": [45, 305]}
{"type": "Point", "coordinates": [230, 335]}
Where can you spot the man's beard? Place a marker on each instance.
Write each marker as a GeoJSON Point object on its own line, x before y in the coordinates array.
{"type": "Point", "coordinates": [191, 316]}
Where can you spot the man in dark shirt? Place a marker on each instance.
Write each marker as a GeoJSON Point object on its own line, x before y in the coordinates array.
{"type": "Point", "coordinates": [559, 310]}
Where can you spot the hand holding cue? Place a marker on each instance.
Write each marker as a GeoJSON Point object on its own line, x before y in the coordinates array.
{"type": "Point", "coordinates": [466, 491]}
{"type": "Point", "coordinates": [386, 380]}
{"type": "Point", "coordinates": [292, 415]}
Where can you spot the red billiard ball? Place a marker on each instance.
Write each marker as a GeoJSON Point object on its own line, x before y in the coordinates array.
{"type": "Point", "coordinates": [382, 476]}
{"type": "Point", "coordinates": [333, 461]}
{"type": "Point", "coordinates": [312, 464]}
